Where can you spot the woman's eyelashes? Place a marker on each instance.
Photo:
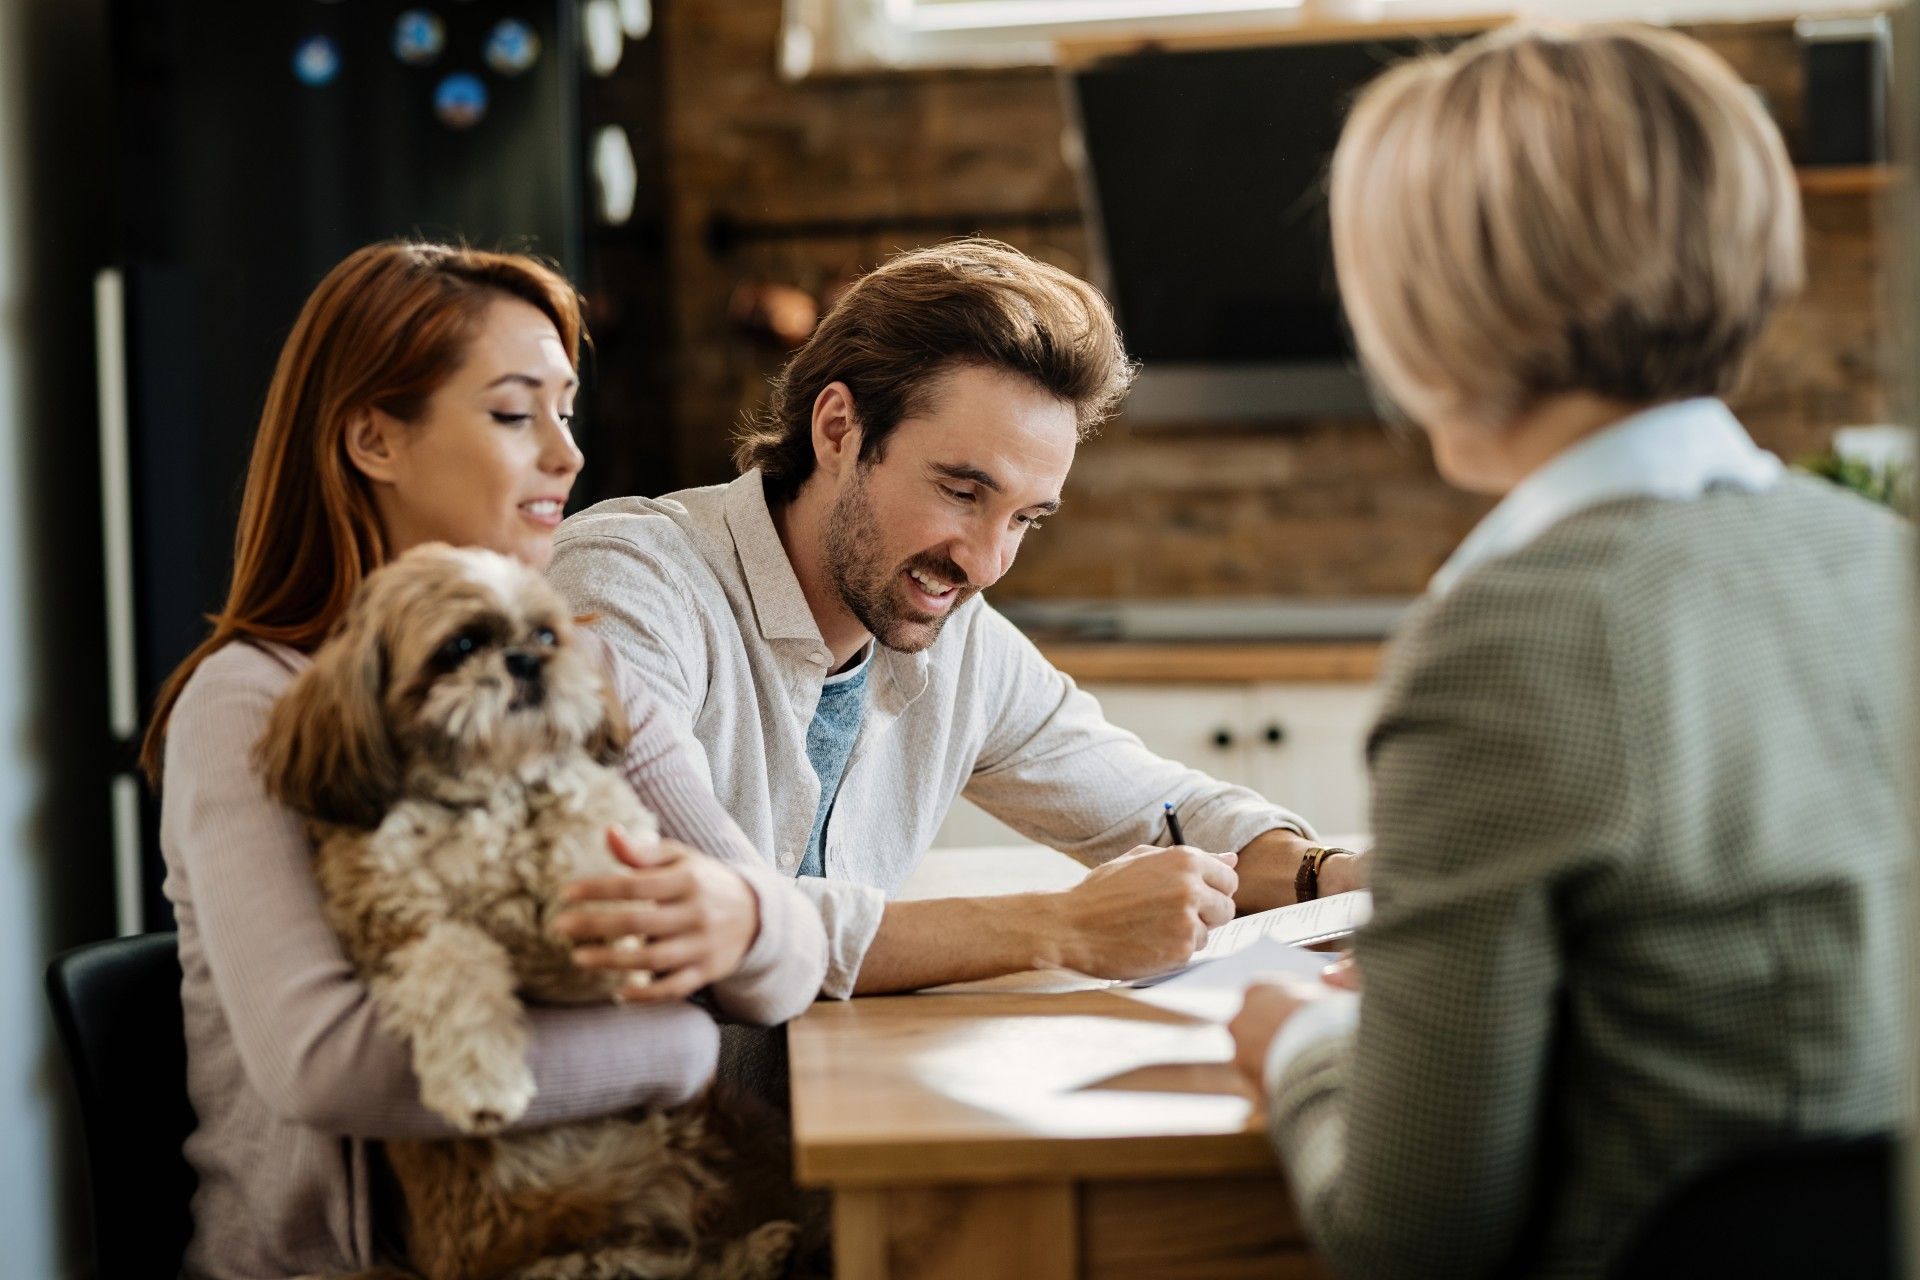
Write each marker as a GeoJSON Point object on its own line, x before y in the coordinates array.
{"type": "Point", "coordinates": [508, 419]}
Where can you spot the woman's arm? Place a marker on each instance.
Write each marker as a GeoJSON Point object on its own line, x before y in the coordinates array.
{"type": "Point", "coordinates": [786, 962]}
{"type": "Point", "coordinates": [301, 1020]}
{"type": "Point", "coordinates": [1499, 774]}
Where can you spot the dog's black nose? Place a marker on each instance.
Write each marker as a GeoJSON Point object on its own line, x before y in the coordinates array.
{"type": "Point", "coordinates": [522, 666]}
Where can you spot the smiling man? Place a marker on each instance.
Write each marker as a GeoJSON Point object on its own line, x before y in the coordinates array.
{"type": "Point", "coordinates": [817, 627]}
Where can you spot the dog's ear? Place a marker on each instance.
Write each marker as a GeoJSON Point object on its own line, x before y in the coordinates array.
{"type": "Point", "coordinates": [327, 751]}
{"type": "Point", "coordinates": [607, 742]}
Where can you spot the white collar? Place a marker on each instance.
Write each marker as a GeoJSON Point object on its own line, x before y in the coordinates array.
{"type": "Point", "coordinates": [1673, 451]}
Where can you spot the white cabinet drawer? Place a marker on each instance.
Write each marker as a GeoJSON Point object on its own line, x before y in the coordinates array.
{"type": "Point", "coordinates": [1300, 745]}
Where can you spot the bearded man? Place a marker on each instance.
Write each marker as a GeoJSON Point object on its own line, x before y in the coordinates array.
{"type": "Point", "coordinates": [816, 626]}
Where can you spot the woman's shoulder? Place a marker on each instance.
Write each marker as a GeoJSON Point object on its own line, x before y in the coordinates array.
{"type": "Point", "coordinates": [1525, 628]}
{"type": "Point", "coordinates": [239, 672]}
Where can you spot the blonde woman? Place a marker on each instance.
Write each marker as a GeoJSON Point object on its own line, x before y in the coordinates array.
{"type": "Point", "coordinates": [1641, 860]}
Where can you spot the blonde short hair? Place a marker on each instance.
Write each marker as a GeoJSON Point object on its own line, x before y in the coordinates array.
{"type": "Point", "coordinates": [1604, 209]}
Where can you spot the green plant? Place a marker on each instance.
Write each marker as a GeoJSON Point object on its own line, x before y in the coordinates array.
{"type": "Point", "coordinates": [1890, 483]}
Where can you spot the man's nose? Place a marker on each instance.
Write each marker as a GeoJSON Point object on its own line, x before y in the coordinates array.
{"type": "Point", "coordinates": [984, 557]}
{"type": "Point", "coordinates": [522, 665]}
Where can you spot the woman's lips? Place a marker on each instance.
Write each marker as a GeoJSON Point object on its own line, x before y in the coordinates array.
{"type": "Point", "coordinates": [546, 512]}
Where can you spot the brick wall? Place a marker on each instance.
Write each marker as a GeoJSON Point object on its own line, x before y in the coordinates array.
{"type": "Point", "coordinates": [807, 184]}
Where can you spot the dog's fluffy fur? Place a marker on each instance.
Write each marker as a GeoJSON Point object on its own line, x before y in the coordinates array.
{"type": "Point", "coordinates": [451, 748]}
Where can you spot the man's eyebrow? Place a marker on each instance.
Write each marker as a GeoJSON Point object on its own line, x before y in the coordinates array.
{"type": "Point", "coordinates": [527, 379]}
{"type": "Point", "coordinates": [961, 471]}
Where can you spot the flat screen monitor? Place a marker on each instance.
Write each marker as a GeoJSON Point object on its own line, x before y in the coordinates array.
{"type": "Point", "coordinates": [1206, 173]}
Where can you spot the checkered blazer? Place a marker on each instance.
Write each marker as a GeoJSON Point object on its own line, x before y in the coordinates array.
{"type": "Point", "coordinates": [1641, 882]}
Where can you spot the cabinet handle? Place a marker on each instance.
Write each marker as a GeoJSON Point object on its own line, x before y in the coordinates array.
{"type": "Point", "coordinates": [1223, 738]}
{"type": "Point", "coordinates": [1275, 735]}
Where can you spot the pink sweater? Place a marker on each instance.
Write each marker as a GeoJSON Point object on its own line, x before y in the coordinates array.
{"type": "Point", "coordinates": [289, 1074]}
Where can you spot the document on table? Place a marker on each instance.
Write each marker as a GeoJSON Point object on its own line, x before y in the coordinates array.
{"type": "Point", "coordinates": [1294, 927]}
{"type": "Point", "coordinates": [1301, 925]}
{"type": "Point", "coordinates": [1213, 989]}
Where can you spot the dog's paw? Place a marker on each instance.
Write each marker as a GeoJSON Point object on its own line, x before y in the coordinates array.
{"type": "Point", "coordinates": [763, 1254]}
{"type": "Point", "coordinates": [477, 1100]}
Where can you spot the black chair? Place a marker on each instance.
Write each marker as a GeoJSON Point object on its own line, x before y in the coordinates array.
{"type": "Point", "coordinates": [1818, 1207]}
{"type": "Point", "coordinates": [117, 1005]}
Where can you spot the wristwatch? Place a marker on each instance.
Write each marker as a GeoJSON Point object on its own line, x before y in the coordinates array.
{"type": "Point", "coordinates": [1306, 881]}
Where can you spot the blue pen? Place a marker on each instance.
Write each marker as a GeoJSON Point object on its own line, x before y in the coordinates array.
{"type": "Point", "coordinates": [1174, 834]}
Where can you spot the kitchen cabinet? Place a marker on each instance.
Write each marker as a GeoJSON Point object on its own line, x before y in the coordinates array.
{"type": "Point", "coordinates": [1299, 744]}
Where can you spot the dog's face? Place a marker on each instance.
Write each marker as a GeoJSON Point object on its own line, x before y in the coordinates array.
{"type": "Point", "coordinates": [449, 661]}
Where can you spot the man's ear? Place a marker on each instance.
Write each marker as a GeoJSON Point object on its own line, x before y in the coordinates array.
{"type": "Point", "coordinates": [373, 444]}
{"type": "Point", "coordinates": [836, 429]}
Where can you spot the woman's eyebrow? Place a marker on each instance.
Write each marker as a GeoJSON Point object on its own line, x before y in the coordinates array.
{"type": "Point", "coordinates": [527, 379]}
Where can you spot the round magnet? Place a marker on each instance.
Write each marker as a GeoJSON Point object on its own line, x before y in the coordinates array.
{"type": "Point", "coordinates": [316, 61]}
{"type": "Point", "coordinates": [460, 101]}
{"type": "Point", "coordinates": [418, 37]}
{"type": "Point", "coordinates": [512, 47]}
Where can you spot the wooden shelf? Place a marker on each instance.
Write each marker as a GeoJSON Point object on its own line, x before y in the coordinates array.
{"type": "Point", "coordinates": [1846, 180]}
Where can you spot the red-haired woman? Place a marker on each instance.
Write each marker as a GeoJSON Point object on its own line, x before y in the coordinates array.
{"type": "Point", "coordinates": [425, 394]}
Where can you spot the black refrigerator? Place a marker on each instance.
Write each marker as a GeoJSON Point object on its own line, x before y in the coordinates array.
{"type": "Point", "coordinates": [257, 143]}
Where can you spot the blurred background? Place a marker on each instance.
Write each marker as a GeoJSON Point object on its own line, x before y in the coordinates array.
{"type": "Point", "coordinates": [176, 174]}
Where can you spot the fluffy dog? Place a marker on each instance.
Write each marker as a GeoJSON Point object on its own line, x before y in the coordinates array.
{"type": "Point", "coordinates": [451, 748]}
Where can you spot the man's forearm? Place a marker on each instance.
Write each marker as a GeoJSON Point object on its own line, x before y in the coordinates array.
{"type": "Point", "coordinates": [937, 940]}
{"type": "Point", "coordinates": [1268, 864]}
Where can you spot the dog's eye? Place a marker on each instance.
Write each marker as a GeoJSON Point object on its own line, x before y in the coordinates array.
{"type": "Point", "coordinates": [458, 650]}
{"type": "Point", "coordinates": [546, 637]}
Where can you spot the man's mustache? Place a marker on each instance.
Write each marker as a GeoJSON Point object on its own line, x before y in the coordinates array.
{"type": "Point", "coordinates": [940, 567]}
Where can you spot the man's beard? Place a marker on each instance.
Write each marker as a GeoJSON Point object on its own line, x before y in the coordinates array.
{"type": "Point", "coordinates": [871, 591]}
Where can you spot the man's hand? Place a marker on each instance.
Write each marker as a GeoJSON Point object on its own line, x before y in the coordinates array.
{"type": "Point", "coordinates": [1342, 872]}
{"type": "Point", "coordinates": [1145, 912]}
{"type": "Point", "coordinates": [679, 916]}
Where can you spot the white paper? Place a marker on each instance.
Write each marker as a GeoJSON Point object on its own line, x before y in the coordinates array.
{"type": "Point", "coordinates": [1292, 927]}
{"type": "Point", "coordinates": [1212, 989]}
{"type": "Point", "coordinates": [1300, 925]}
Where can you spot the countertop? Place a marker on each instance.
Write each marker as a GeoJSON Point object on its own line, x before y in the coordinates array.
{"type": "Point", "coordinates": [1215, 662]}
{"type": "Point", "coordinates": [1211, 641]}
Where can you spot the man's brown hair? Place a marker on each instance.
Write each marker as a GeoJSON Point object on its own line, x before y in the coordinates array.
{"type": "Point", "coordinates": [921, 314]}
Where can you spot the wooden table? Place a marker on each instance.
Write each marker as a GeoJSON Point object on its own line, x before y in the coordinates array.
{"type": "Point", "coordinates": [1036, 1137]}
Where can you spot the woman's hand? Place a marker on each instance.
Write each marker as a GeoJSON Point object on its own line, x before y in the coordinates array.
{"type": "Point", "coordinates": [1269, 1004]}
{"type": "Point", "coordinates": [677, 922]}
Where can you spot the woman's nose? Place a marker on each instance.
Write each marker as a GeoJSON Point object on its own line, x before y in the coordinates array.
{"type": "Point", "coordinates": [559, 454]}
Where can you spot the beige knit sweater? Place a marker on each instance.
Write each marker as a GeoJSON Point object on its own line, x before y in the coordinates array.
{"type": "Point", "coordinates": [289, 1074]}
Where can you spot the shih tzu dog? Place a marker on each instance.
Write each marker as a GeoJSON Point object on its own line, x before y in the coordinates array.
{"type": "Point", "coordinates": [452, 748]}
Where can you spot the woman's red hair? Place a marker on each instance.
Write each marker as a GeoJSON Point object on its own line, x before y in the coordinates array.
{"type": "Point", "coordinates": [383, 331]}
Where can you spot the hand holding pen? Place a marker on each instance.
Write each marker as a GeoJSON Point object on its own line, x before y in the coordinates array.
{"type": "Point", "coordinates": [1174, 834]}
